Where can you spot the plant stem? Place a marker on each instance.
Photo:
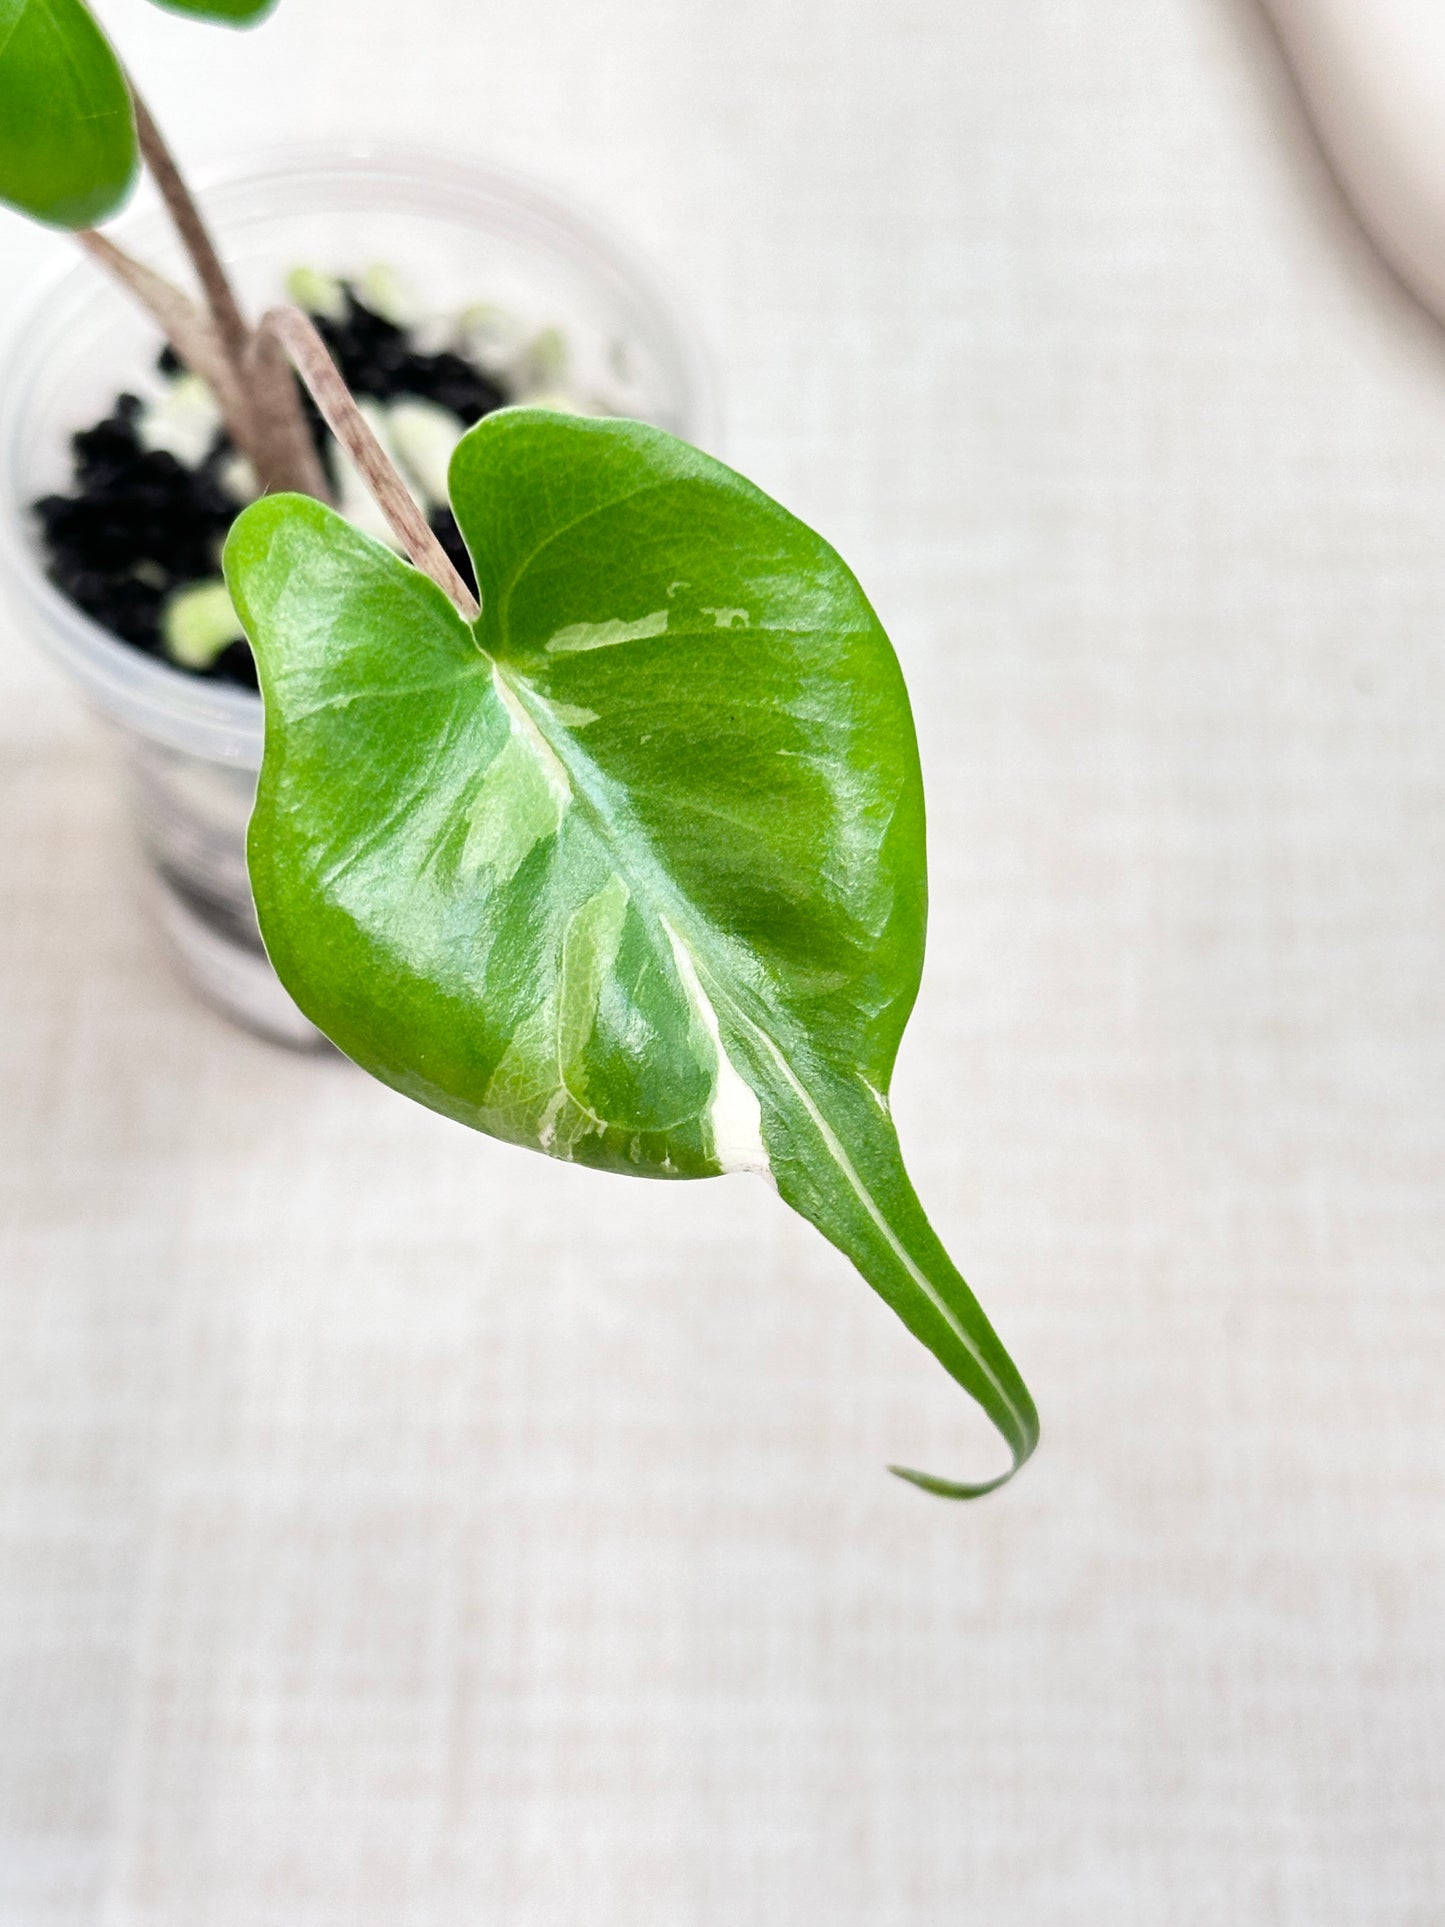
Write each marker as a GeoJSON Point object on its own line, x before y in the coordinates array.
{"type": "Point", "coordinates": [289, 460]}
{"type": "Point", "coordinates": [288, 333]}
{"type": "Point", "coordinates": [284, 438]}
{"type": "Point", "coordinates": [270, 425]}
{"type": "Point", "coordinates": [194, 235]}
{"type": "Point", "coordinates": [189, 331]}
{"type": "Point", "coordinates": [296, 333]}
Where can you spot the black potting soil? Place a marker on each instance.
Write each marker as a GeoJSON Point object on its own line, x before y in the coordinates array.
{"type": "Point", "coordinates": [141, 524]}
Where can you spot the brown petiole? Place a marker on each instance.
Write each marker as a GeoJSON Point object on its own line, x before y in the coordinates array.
{"type": "Point", "coordinates": [296, 333]}
{"type": "Point", "coordinates": [249, 371]}
{"type": "Point", "coordinates": [256, 394]}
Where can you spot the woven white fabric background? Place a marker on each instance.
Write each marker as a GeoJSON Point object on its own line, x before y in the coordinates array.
{"type": "Point", "coordinates": [400, 1531]}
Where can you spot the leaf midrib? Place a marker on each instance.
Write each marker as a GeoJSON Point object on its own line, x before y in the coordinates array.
{"type": "Point", "coordinates": [593, 789]}
{"type": "Point", "coordinates": [721, 991]}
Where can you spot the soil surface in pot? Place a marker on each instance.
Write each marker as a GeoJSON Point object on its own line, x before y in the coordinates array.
{"type": "Point", "coordinates": [144, 525]}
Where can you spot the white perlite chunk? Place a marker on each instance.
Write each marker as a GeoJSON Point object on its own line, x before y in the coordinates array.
{"type": "Point", "coordinates": [424, 436]}
{"type": "Point", "coordinates": [197, 623]}
{"type": "Point", "coordinates": [184, 420]}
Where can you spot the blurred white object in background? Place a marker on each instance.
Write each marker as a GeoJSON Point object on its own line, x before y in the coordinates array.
{"type": "Point", "coordinates": [1372, 73]}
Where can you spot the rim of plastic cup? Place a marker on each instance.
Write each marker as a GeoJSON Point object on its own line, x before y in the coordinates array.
{"type": "Point", "coordinates": [212, 719]}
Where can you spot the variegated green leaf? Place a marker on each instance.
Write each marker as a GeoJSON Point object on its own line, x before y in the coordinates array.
{"type": "Point", "coordinates": [68, 150]}
{"type": "Point", "coordinates": [632, 872]}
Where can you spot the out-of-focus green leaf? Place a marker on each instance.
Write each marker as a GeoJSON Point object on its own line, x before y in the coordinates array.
{"type": "Point", "coordinates": [632, 872]}
{"type": "Point", "coordinates": [67, 135]}
{"type": "Point", "coordinates": [230, 13]}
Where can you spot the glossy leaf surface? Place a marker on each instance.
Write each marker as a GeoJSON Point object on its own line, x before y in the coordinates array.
{"type": "Point", "coordinates": [230, 13]}
{"type": "Point", "coordinates": [68, 150]}
{"type": "Point", "coordinates": [632, 872]}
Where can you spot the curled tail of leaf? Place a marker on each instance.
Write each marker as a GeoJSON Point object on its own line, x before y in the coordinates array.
{"type": "Point", "coordinates": [835, 1159]}
{"type": "Point", "coordinates": [916, 1276]}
